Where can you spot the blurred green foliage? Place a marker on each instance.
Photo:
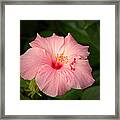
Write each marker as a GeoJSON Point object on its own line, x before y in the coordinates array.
{"type": "Point", "coordinates": [85, 32]}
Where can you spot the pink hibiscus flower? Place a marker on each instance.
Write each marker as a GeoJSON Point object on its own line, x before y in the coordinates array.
{"type": "Point", "coordinates": [57, 64]}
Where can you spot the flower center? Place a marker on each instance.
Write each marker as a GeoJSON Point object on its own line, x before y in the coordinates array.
{"type": "Point", "coordinates": [56, 65]}
{"type": "Point", "coordinates": [60, 60]}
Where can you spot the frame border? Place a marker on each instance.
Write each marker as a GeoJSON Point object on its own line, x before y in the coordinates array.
{"type": "Point", "coordinates": [117, 58]}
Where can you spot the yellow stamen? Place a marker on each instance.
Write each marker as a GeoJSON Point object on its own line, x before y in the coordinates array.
{"type": "Point", "coordinates": [62, 59]}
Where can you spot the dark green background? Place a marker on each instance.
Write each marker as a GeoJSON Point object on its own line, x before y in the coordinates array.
{"type": "Point", "coordinates": [85, 32]}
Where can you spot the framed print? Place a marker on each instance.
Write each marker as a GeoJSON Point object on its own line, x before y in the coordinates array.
{"type": "Point", "coordinates": [60, 59]}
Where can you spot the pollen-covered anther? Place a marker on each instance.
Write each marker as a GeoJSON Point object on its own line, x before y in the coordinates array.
{"type": "Point", "coordinates": [72, 65]}
{"type": "Point", "coordinates": [62, 59]}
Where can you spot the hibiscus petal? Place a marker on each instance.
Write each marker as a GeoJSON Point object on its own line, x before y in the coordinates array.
{"type": "Point", "coordinates": [83, 77]}
{"type": "Point", "coordinates": [51, 44]}
{"type": "Point", "coordinates": [69, 78]}
{"type": "Point", "coordinates": [73, 49]}
{"type": "Point", "coordinates": [51, 82]}
{"type": "Point", "coordinates": [31, 61]}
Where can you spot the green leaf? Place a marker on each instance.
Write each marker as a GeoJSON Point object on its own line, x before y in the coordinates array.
{"type": "Point", "coordinates": [73, 94]}
{"type": "Point", "coordinates": [92, 93]}
{"type": "Point", "coordinates": [33, 89]}
{"type": "Point", "coordinates": [96, 76]}
{"type": "Point", "coordinates": [46, 33]}
{"type": "Point", "coordinates": [94, 57]}
{"type": "Point", "coordinates": [39, 94]}
{"type": "Point", "coordinates": [88, 23]}
{"type": "Point", "coordinates": [32, 85]}
{"type": "Point", "coordinates": [22, 97]}
{"type": "Point", "coordinates": [70, 27]}
{"type": "Point", "coordinates": [28, 88]}
{"type": "Point", "coordinates": [94, 34]}
{"type": "Point", "coordinates": [24, 83]}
